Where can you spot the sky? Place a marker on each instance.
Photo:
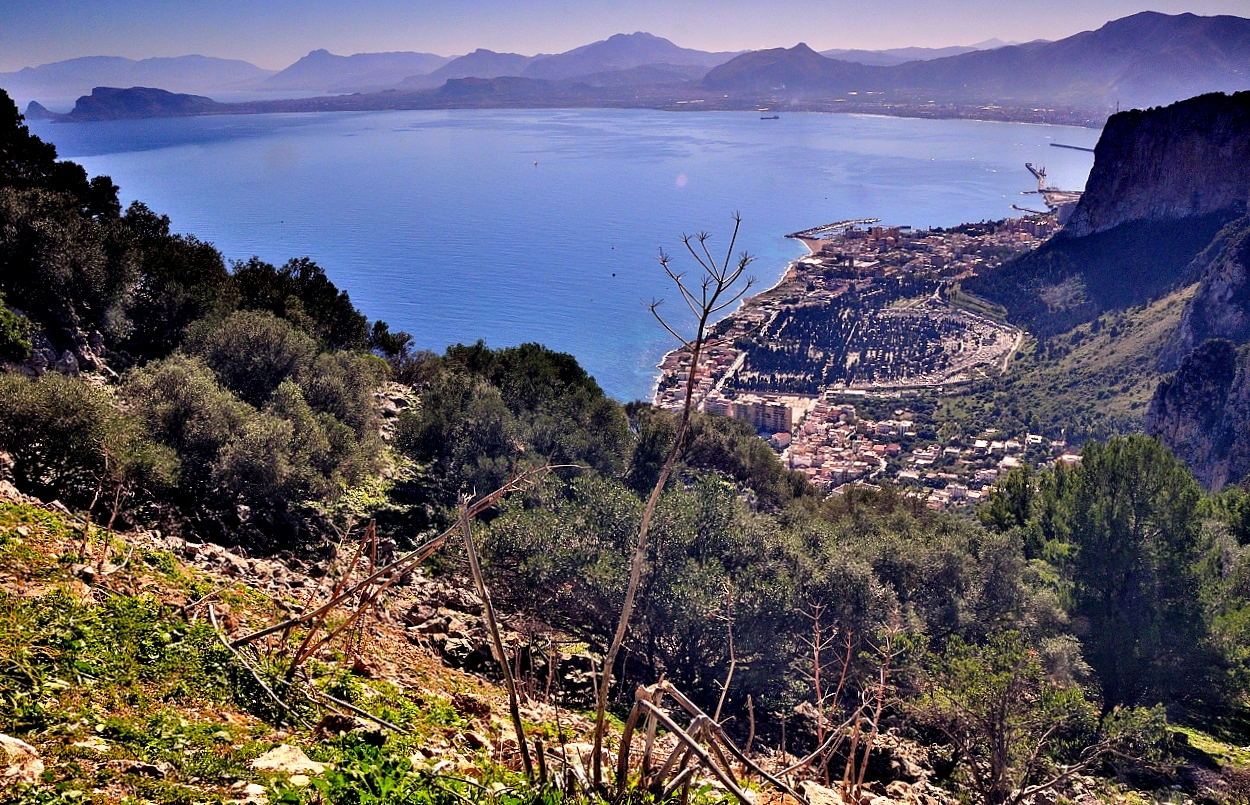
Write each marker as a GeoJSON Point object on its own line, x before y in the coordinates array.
{"type": "Point", "coordinates": [274, 33]}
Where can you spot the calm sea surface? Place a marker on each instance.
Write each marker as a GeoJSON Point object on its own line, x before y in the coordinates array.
{"type": "Point", "coordinates": [513, 226]}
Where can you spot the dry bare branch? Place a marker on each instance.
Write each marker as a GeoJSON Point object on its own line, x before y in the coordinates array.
{"type": "Point", "coordinates": [717, 281]}
{"type": "Point", "coordinates": [497, 642]}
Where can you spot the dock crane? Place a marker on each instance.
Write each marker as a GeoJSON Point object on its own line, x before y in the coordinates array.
{"type": "Point", "coordinates": [1059, 202]}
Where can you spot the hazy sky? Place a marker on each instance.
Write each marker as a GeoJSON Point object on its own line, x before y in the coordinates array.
{"type": "Point", "coordinates": [273, 33]}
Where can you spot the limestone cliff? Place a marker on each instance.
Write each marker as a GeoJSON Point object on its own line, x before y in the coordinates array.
{"type": "Point", "coordinates": [112, 103]}
{"type": "Point", "coordinates": [1220, 307]}
{"type": "Point", "coordinates": [1184, 160]}
{"type": "Point", "coordinates": [1203, 413]}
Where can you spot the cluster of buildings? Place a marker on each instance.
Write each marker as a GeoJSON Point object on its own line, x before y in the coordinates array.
{"type": "Point", "coordinates": [895, 272]}
{"type": "Point", "coordinates": [879, 267]}
{"type": "Point", "coordinates": [961, 249]}
{"type": "Point", "coordinates": [833, 447]}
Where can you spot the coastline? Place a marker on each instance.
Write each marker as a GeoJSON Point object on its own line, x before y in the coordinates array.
{"type": "Point", "coordinates": [785, 275]}
{"type": "Point", "coordinates": [874, 254]}
{"type": "Point", "coordinates": [393, 102]}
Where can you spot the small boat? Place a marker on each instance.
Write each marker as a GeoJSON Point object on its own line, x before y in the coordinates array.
{"type": "Point", "coordinates": [770, 117]}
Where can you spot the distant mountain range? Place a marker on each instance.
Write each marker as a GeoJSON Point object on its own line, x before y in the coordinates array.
{"type": "Point", "coordinates": [1148, 59]}
{"type": "Point", "coordinates": [636, 59]}
{"type": "Point", "coordinates": [74, 77]}
{"type": "Point", "coordinates": [322, 71]}
{"type": "Point", "coordinates": [1144, 60]}
{"type": "Point", "coordinates": [893, 56]}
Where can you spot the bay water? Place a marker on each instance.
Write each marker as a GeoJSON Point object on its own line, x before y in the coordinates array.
{"type": "Point", "coordinates": [544, 225]}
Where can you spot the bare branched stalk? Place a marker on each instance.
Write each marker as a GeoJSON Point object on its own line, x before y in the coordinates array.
{"type": "Point", "coordinates": [733, 659]}
{"type": "Point", "coordinates": [821, 643]}
{"type": "Point", "coordinates": [716, 293]}
{"type": "Point", "coordinates": [854, 785]}
{"type": "Point", "coordinates": [883, 675]}
{"type": "Point", "coordinates": [491, 623]}
{"type": "Point", "coordinates": [751, 732]}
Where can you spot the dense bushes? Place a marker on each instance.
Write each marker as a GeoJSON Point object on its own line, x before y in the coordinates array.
{"type": "Point", "coordinates": [485, 412]}
{"type": "Point", "coordinates": [300, 292]}
{"type": "Point", "coordinates": [713, 443]}
{"type": "Point", "coordinates": [564, 552]}
{"type": "Point", "coordinates": [14, 335]}
{"type": "Point", "coordinates": [68, 441]}
{"type": "Point", "coordinates": [299, 427]}
{"type": "Point", "coordinates": [250, 393]}
{"type": "Point", "coordinates": [1148, 570]}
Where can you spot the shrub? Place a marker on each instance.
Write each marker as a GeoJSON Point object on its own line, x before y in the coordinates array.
{"type": "Point", "coordinates": [1010, 726]}
{"type": "Point", "coordinates": [273, 458]}
{"type": "Point", "coordinates": [252, 352]}
{"type": "Point", "coordinates": [183, 281]}
{"type": "Point", "coordinates": [60, 266]}
{"type": "Point", "coordinates": [69, 441]}
{"type": "Point", "coordinates": [14, 329]}
{"type": "Point", "coordinates": [301, 293]}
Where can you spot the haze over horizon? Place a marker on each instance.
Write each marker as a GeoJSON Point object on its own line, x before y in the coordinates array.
{"type": "Point", "coordinates": [275, 34]}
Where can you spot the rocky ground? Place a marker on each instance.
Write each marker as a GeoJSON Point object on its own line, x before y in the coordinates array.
{"type": "Point", "coordinates": [414, 675]}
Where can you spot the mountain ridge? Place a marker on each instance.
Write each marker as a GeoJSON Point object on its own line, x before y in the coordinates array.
{"type": "Point", "coordinates": [620, 52]}
{"type": "Point", "coordinates": [1146, 59]}
{"type": "Point", "coordinates": [481, 63]}
{"type": "Point", "coordinates": [323, 71]}
{"type": "Point", "coordinates": [78, 76]}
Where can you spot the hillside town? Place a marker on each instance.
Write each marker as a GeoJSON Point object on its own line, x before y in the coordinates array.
{"type": "Point", "coordinates": [833, 447]}
{"type": "Point", "coordinates": [873, 311]}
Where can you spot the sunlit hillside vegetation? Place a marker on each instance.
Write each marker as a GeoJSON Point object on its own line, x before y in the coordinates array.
{"type": "Point", "coordinates": [150, 385]}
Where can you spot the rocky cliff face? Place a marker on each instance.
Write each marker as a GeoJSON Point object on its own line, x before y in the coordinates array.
{"type": "Point", "coordinates": [1203, 413]}
{"type": "Point", "coordinates": [1220, 307]}
{"type": "Point", "coordinates": [1187, 159]}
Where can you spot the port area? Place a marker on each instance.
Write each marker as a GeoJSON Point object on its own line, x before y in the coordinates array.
{"type": "Point", "coordinates": [873, 312]}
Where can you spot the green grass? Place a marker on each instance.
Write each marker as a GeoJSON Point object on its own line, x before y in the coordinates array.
{"type": "Point", "coordinates": [1091, 382]}
{"type": "Point", "coordinates": [1221, 752]}
{"type": "Point", "coordinates": [98, 681]}
{"type": "Point", "coordinates": [975, 304]}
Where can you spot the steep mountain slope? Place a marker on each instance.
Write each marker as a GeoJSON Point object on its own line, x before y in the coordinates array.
{"type": "Point", "coordinates": [1221, 303]}
{"type": "Point", "coordinates": [74, 77]}
{"type": "Point", "coordinates": [1203, 412]}
{"type": "Point", "coordinates": [1189, 159]}
{"type": "Point", "coordinates": [620, 52]}
{"type": "Point", "coordinates": [322, 71]}
{"type": "Point", "coordinates": [1142, 60]}
{"type": "Point", "coordinates": [1164, 184]}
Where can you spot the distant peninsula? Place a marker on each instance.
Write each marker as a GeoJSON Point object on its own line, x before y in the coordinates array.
{"type": "Point", "coordinates": [111, 103]}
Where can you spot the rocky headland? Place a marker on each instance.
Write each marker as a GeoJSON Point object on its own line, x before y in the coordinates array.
{"type": "Point", "coordinates": [1181, 161]}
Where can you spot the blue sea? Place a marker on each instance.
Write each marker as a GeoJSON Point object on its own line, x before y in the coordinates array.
{"type": "Point", "coordinates": [544, 225]}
